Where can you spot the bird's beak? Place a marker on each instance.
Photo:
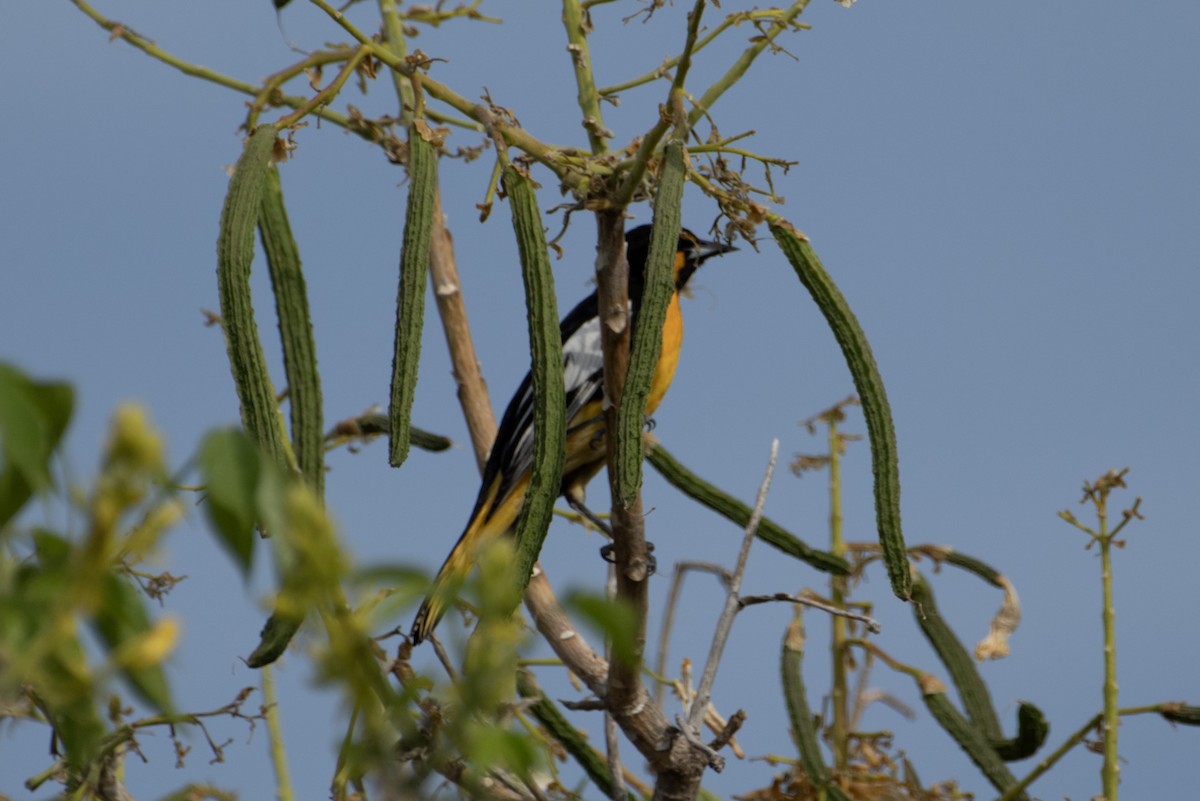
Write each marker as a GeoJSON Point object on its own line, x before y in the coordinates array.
{"type": "Point", "coordinates": [703, 249]}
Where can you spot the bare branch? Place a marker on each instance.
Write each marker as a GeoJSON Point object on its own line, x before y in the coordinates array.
{"type": "Point", "coordinates": [750, 600]}
{"type": "Point", "coordinates": [725, 622]}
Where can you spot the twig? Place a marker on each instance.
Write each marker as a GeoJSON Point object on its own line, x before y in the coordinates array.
{"type": "Point", "coordinates": [664, 636]}
{"type": "Point", "coordinates": [1072, 741]}
{"type": "Point", "coordinates": [715, 760]}
{"type": "Point", "coordinates": [272, 83]}
{"type": "Point", "coordinates": [739, 67]}
{"type": "Point", "coordinates": [513, 135]}
{"type": "Point", "coordinates": [750, 600]}
{"type": "Point", "coordinates": [443, 657]}
{"type": "Point", "coordinates": [612, 750]}
{"type": "Point", "coordinates": [725, 736]}
{"type": "Point", "coordinates": [327, 94]}
{"type": "Point", "coordinates": [393, 38]}
{"type": "Point", "coordinates": [148, 47]}
{"type": "Point", "coordinates": [447, 292]}
{"type": "Point", "coordinates": [642, 722]}
{"type": "Point", "coordinates": [663, 69]}
{"type": "Point", "coordinates": [675, 116]}
{"type": "Point", "coordinates": [574, 20]}
{"type": "Point", "coordinates": [725, 622]}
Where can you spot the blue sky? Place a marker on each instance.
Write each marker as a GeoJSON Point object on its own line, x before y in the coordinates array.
{"type": "Point", "coordinates": [1006, 194]}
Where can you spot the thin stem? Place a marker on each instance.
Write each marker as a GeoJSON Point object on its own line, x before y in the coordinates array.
{"type": "Point", "coordinates": [782, 22]}
{"type": "Point", "coordinates": [148, 47]}
{"type": "Point", "coordinates": [341, 776]}
{"type": "Point", "coordinates": [1111, 769]}
{"type": "Point", "coordinates": [650, 141]}
{"type": "Point", "coordinates": [154, 51]}
{"type": "Point", "coordinates": [886, 658]}
{"type": "Point", "coordinates": [327, 94]}
{"type": "Point", "coordinates": [574, 20]}
{"type": "Point", "coordinates": [393, 32]}
{"type": "Point", "coordinates": [283, 784]}
{"type": "Point", "coordinates": [267, 94]}
{"type": "Point", "coordinates": [804, 600]}
{"type": "Point", "coordinates": [663, 69]}
{"type": "Point", "coordinates": [1051, 759]}
{"type": "Point", "coordinates": [837, 587]}
{"type": "Point", "coordinates": [514, 136]}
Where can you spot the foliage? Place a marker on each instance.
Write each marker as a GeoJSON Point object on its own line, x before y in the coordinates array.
{"type": "Point", "coordinates": [488, 728]}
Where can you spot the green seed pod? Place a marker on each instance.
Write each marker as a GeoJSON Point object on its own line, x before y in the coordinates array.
{"type": "Point", "coordinates": [295, 330]}
{"type": "Point", "coordinates": [1032, 730]}
{"type": "Point", "coordinates": [972, 690]}
{"type": "Point", "coordinates": [869, 385]}
{"type": "Point", "coordinates": [1182, 714]}
{"type": "Point", "coordinates": [967, 735]}
{"type": "Point", "coordinates": [549, 394]}
{"type": "Point", "coordinates": [235, 252]}
{"type": "Point", "coordinates": [804, 726]}
{"type": "Point", "coordinates": [410, 303]}
{"type": "Point", "coordinates": [652, 313]}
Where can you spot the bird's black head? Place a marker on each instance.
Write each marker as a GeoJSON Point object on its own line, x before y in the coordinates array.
{"type": "Point", "coordinates": [690, 253]}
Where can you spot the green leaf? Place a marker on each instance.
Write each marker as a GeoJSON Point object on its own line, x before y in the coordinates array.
{"type": "Point", "coordinates": [493, 746]}
{"type": "Point", "coordinates": [70, 694]}
{"type": "Point", "coordinates": [33, 418]}
{"type": "Point", "coordinates": [53, 551]}
{"type": "Point", "coordinates": [232, 467]}
{"type": "Point", "coordinates": [120, 619]}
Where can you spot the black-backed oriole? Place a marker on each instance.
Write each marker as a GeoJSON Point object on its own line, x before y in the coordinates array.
{"type": "Point", "coordinates": [506, 476]}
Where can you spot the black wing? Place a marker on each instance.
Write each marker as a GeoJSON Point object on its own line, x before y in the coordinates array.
{"type": "Point", "coordinates": [583, 378]}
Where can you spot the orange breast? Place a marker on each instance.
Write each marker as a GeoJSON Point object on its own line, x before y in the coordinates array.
{"type": "Point", "coordinates": [668, 357]}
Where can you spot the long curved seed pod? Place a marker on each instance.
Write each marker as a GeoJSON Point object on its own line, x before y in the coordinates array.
{"type": "Point", "coordinates": [235, 252]}
{"type": "Point", "coordinates": [374, 423]}
{"type": "Point", "coordinates": [1032, 730]}
{"type": "Point", "coordinates": [995, 644]}
{"type": "Point", "coordinates": [295, 331]}
{"type": "Point", "coordinates": [967, 735]}
{"type": "Point", "coordinates": [976, 700]}
{"type": "Point", "coordinates": [549, 394]}
{"type": "Point", "coordinates": [273, 640]}
{"type": "Point", "coordinates": [869, 385]}
{"type": "Point", "coordinates": [972, 565]}
{"type": "Point", "coordinates": [659, 286]}
{"type": "Point", "coordinates": [731, 508]}
{"type": "Point", "coordinates": [795, 697]}
{"type": "Point", "coordinates": [566, 735]}
{"type": "Point", "coordinates": [410, 303]}
{"type": "Point", "coordinates": [1182, 714]}
{"type": "Point", "coordinates": [245, 206]}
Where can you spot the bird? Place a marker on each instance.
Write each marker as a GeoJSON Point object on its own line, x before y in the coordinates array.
{"type": "Point", "coordinates": [509, 466]}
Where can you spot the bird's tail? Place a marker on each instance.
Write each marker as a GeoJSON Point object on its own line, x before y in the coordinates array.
{"type": "Point", "coordinates": [490, 519]}
{"type": "Point", "coordinates": [445, 587]}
